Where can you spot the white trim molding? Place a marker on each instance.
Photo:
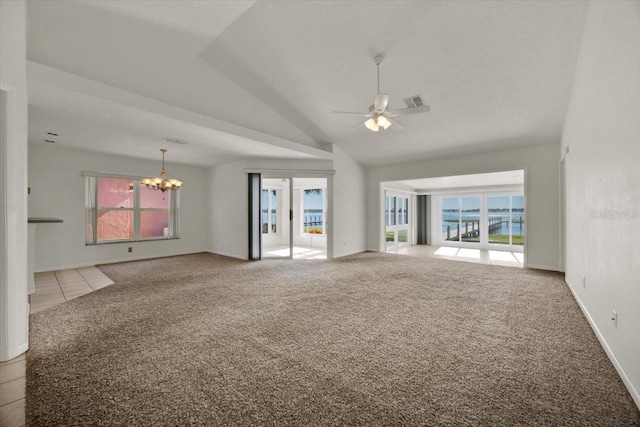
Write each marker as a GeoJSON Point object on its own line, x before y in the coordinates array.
{"type": "Point", "coordinates": [635, 395]}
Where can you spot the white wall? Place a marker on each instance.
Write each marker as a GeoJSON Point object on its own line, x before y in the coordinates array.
{"type": "Point", "coordinates": [14, 310]}
{"type": "Point", "coordinates": [603, 182]}
{"type": "Point", "coordinates": [58, 190]}
{"type": "Point", "coordinates": [349, 210]}
{"type": "Point", "coordinates": [541, 192]}
{"type": "Point", "coordinates": [228, 210]}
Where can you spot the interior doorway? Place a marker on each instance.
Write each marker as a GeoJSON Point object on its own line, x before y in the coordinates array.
{"type": "Point", "coordinates": [397, 220]}
{"type": "Point", "coordinates": [294, 218]}
{"type": "Point", "coordinates": [275, 218]}
{"type": "Point", "coordinates": [475, 215]}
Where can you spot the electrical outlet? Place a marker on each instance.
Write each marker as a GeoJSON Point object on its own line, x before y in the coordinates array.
{"type": "Point", "coordinates": [614, 318]}
{"type": "Point", "coordinates": [130, 249]}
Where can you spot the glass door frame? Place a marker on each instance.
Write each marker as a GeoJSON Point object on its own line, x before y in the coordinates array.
{"type": "Point", "coordinates": [291, 174]}
{"type": "Point", "coordinates": [290, 222]}
{"type": "Point", "coordinates": [482, 220]}
{"type": "Point", "coordinates": [396, 228]}
{"type": "Point", "coordinates": [510, 247]}
{"type": "Point", "coordinates": [484, 217]}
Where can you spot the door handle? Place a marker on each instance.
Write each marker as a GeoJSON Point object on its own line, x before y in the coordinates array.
{"type": "Point", "coordinates": [290, 214]}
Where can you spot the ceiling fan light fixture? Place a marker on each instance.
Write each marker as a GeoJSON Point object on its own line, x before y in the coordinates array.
{"type": "Point", "coordinates": [375, 123]}
{"type": "Point", "coordinates": [378, 113]}
{"type": "Point", "coordinates": [384, 122]}
{"type": "Point", "coordinates": [372, 125]}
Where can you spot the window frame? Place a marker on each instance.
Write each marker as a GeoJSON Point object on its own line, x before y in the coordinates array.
{"type": "Point", "coordinates": [324, 209]}
{"type": "Point", "coordinates": [511, 196]}
{"type": "Point", "coordinates": [92, 209]}
{"type": "Point", "coordinates": [460, 210]}
{"type": "Point", "coordinates": [398, 219]}
{"type": "Point", "coordinates": [483, 243]}
{"type": "Point", "coordinates": [276, 196]}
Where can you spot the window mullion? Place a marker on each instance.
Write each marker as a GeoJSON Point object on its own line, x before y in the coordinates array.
{"type": "Point", "coordinates": [324, 211]}
{"type": "Point", "coordinates": [172, 214]}
{"type": "Point", "coordinates": [94, 218]}
{"type": "Point", "coordinates": [510, 220]}
{"type": "Point", "coordinates": [269, 213]}
{"type": "Point", "coordinates": [459, 218]}
{"type": "Point", "coordinates": [136, 210]}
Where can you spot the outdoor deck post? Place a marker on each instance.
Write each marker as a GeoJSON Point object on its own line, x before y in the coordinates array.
{"type": "Point", "coordinates": [448, 232]}
{"type": "Point", "coordinates": [521, 226]}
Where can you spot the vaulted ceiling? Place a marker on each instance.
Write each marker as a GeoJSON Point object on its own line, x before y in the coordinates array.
{"type": "Point", "coordinates": [260, 79]}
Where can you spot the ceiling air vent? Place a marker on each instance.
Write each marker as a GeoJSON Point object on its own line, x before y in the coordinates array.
{"type": "Point", "coordinates": [414, 101]}
{"type": "Point", "coordinates": [175, 141]}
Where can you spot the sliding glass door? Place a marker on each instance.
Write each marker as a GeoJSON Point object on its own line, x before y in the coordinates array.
{"type": "Point", "coordinates": [310, 218]}
{"type": "Point", "coordinates": [461, 219]}
{"type": "Point", "coordinates": [493, 221]}
{"type": "Point", "coordinates": [506, 220]}
{"type": "Point", "coordinates": [275, 218]}
{"type": "Point", "coordinates": [396, 220]}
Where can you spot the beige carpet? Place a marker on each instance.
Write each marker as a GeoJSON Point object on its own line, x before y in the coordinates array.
{"type": "Point", "coordinates": [372, 339]}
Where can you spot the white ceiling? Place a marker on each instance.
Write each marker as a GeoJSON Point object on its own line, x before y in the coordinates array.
{"type": "Point", "coordinates": [262, 77]}
{"type": "Point", "coordinates": [90, 123]}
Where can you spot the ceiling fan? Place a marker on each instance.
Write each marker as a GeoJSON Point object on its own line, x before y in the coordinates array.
{"type": "Point", "coordinates": [378, 115]}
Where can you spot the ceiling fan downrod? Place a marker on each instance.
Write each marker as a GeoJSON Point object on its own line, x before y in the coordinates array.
{"type": "Point", "coordinates": [378, 60]}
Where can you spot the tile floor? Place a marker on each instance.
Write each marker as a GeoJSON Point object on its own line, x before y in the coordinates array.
{"type": "Point", "coordinates": [55, 287]}
{"type": "Point", "coordinates": [482, 256]}
{"type": "Point", "coordinates": [299, 252]}
{"type": "Point", "coordinates": [52, 288]}
{"type": "Point", "coordinates": [12, 387]}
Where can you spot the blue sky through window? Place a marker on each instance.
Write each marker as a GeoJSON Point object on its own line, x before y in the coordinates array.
{"type": "Point", "coordinates": [312, 200]}
{"type": "Point", "coordinates": [450, 204]}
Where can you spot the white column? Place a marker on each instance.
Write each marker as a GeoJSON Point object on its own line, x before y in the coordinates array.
{"type": "Point", "coordinates": [14, 307]}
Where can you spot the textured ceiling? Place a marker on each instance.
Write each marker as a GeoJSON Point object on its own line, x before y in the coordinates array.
{"type": "Point", "coordinates": [496, 74]}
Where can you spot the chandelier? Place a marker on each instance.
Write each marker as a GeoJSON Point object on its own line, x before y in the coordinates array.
{"type": "Point", "coordinates": [162, 183]}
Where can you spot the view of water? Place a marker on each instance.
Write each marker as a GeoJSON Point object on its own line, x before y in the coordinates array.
{"type": "Point", "coordinates": [451, 218]}
{"type": "Point", "coordinates": [310, 216]}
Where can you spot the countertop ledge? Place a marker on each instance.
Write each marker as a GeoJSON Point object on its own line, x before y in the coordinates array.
{"type": "Point", "coordinates": [43, 220]}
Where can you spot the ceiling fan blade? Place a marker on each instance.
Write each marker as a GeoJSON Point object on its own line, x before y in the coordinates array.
{"type": "Point", "coordinates": [408, 111]}
{"type": "Point", "coordinates": [396, 125]}
{"type": "Point", "coordinates": [356, 127]}
{"type": "Point", "coordinates": [381, 102]}
{"type": "Point", "coordinates": [368, 115]}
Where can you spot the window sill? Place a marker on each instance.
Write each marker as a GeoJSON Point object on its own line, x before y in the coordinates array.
{"type": "Point", "coordinates": [131, 241]}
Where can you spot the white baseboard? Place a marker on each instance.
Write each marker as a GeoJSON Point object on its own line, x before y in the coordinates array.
{"type": "Point", "coordinates": [351, 253]}
{"type": "Point", "coordinates": [229, 255]}
{"type": "Point", "coordinates": [635, 395]}
{"type": "Point", "coordinates": [12, 353]}
{"type": "Point", "coordinates": [541, 267]}
{"type": "Point", "coordinates": [113, 261]}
